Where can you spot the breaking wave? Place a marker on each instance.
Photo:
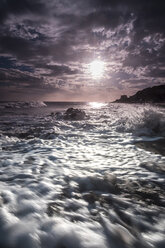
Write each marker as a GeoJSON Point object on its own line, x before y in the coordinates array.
{"type": "Point", "coordinates": [17, 105]}
{"type": "Point", "coordinates": [145, 120]}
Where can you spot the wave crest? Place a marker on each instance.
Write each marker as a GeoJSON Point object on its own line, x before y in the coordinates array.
{"type": "Point", "coordinates": [142, 120]}
{"type": "Point", "coordinates": [33, 104]}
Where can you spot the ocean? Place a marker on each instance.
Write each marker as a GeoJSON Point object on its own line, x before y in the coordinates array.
{"type": "Point", "coordinates": [98, 182]}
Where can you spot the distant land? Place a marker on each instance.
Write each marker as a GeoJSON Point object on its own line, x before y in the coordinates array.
{"type": "Point", "coordinates": [155, 94]}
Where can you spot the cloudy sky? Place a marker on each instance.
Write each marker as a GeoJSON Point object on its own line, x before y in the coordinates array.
{"type": "Point", "coordinates": [47, 46]}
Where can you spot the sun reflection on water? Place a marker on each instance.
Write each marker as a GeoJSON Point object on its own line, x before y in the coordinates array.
{"type": "Point", "coordinates": [97, 104]}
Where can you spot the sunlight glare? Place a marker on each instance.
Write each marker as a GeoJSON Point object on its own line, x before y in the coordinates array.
{"type": "Point", "coordinates": [97, 104]}
{"type": "Point", "coordinates": [97, 69]}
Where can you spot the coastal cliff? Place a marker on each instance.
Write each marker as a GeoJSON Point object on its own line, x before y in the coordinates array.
{"type": "Point", "coordinates": [154, 94]}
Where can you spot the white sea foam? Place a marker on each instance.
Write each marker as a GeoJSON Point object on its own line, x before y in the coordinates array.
{"type": "Point", "coordinates": [81, 184]}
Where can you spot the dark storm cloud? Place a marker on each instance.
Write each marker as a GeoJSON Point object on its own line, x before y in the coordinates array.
{"type": "Point", "coordinates": [43, 42]}
{"type": "Point", "coordinates": [10, 63]}
{"type": "Point", "coordinates": [57, 70]}
{"type": "Point", "coordinates": [19, 7]}
{"type": "Point", "coordinates": [17, 78]}
{"type": "Point", "coordinates": [157, 73]}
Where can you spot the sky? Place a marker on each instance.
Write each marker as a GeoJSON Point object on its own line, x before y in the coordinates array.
{"type": "Point", "coordinates": [47, 47]}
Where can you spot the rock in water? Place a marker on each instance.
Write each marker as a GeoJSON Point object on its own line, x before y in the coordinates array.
{"type": "Point", "coordinates": [156, 146]}
{"type": "Point", "coordinates": [74, 114]}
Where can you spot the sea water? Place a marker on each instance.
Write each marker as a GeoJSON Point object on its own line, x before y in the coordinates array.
{"type": "Point", "coordinates": [84, 183]}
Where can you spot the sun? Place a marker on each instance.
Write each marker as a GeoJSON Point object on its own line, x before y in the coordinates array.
{"type": "Point", "coordinates": [96, 69]}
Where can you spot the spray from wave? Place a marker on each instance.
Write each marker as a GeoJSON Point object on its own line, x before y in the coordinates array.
{"type": "Point", "coordinates": [141, 120]}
